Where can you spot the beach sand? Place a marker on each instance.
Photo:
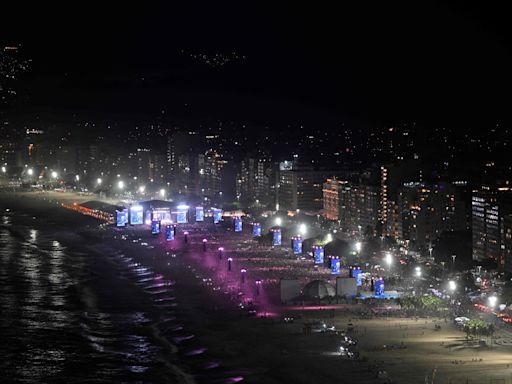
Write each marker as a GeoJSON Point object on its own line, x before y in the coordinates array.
{"type": "Point", "coordinates": [266, 350]}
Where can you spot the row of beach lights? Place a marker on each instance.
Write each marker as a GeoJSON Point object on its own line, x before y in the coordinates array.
{"type": "Point", "coordinates": [296, 244]}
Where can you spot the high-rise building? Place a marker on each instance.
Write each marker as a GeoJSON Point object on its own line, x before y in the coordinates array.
{"type": "Point", "coordinates": [332, 190]}
{"type": "Point", "coordinates": [255, 180]}
{"type": "Point", "coordinates": [507, 244]}
{"type": "Point", "coordinates": [392, 177]}
{"type": "Point", "coordinates": [300, 186]}
{"type": "Point", "coordinates": [489, 207]}
{"type": "Point", "coordinates": [425, 211]}
{"type": "Point", "coordinates": [183, 147]}
{"type": "Point", "coordinates": [210, 166]}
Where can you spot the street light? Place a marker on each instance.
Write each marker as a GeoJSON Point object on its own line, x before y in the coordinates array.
{"type": "Point", "coordinates": [328, 238]}
{"type": "Point", "coordinates": [142, 188]}
{"type": "Point", "coordinates": [162, 192]}
{"type": "Point", "coordinates": [258, 285]}
{"type": "Point", "coordinates": [278, 221]}
{"type": "Point", "coordinates": [30, 171]}
{"type": "Point", "coordinates": [243, 271]}
{"type": "Point", "coordinates": [417, 271]}
{"type": "Point", "coordinates": [99, 181]}
{"type": "Point", "coordinates": [452, 285]}
{"type": "Point", "coordinates": [492, 301]}
{"type": "Point", "coordinates": [358, 246]}
{"type": "Point", "coordinates": [4, 169]}
{"type": "Point", "coordinates": [54, 175]}
{"type": "Point", "coordinates": [120, 184]}
{"type": "Point", "coordinates": [303, 229]}
{"type": "Point", "coordinates": [77, 177]}
{"type": "Point", "coordinates": [389, 259]}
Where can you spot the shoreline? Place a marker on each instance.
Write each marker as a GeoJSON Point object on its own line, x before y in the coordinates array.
{"type": "Point", "coordinates": [77, 240]}
{"type": "Point", "coordinates": [215, 332]}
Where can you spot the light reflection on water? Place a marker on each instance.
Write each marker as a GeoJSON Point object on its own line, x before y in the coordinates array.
{"type": "Point", "coordinates": [50, 333]}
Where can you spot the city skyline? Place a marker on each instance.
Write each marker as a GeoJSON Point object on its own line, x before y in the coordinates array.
{"type": "Point", "coordinates": [214, 193]}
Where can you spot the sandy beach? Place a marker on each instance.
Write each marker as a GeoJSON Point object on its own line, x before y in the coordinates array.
{"type": "Point", "coordinates": [215, 340]}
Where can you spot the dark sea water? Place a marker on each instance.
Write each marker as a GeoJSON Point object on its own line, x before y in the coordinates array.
{"type": "Point", "coordinates": [65, 317]}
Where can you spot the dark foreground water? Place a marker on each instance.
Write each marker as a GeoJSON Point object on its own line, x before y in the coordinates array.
{"type": "Point", "coordinates": [65, 317]}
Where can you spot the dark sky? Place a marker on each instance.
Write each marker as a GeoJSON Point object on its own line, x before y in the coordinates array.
{"type": "Point", "coordinates": [379, 62]}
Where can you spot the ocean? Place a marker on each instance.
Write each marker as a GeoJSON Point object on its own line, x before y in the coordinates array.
{"type": "Point", "coordinates": [68, 315]}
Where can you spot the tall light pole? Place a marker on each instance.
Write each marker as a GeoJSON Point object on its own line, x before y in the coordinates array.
{"type": "Point", "coordinates": [303, 229]}
{"type": "Point", "coordinates": [389, 261]}
{"type": "Point", "coordinates": [258, 285]}
{"type": "Point", "coordinates": [492, 301]}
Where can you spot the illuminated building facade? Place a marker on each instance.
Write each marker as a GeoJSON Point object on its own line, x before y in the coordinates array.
{"type": "Point", "coordinates": [210, 166]}
{"type": "Point", "coordinates": [489, 208]}
{"type": "Point", "coordinates": [300, 186]}
{"type": "Point", "coordinates": [425, 211]}
{"type": "Point", "coordinates": [255, 180]}
{"type": "Point", "coordinates": [507, 244]}
{"type": "Point", "coordinates": [332, 189]}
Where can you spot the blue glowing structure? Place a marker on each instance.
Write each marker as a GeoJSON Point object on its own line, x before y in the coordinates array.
{"type": "Point", "coordinates": [256, 229]}
{"type": "Point", "coordinates": [155, 227]}
{"type": "Point", "coordinates": [276, 237]}
{"type": "Point", "coordinates": [199, 214]}
{"type": "Point", "coordinates": [335, 266]}
{"type": "Point", "coordinates": [217, 215]}
{"type": "Point", "coordinates": [169, 233]}
{"type": "Point", "coordinates": [238, 224]}
{"type": "Point", "coordinates": [297, 245]}
{"type": "Point", "coordinates": [358, 274]}
{"type": "Point", "coordinates": [379, 287]}
{"type": "Point", "coordinates": [122, 218]}
{"type": "Point", "coordinates": [318, 253]}
{"type": "Point", "coordinates": [181, 214]}
{"type": "Point", "coordinates": [136, 215]}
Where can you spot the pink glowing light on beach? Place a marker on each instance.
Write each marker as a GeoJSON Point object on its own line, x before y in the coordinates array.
{"type": "Point", "coordinates": [258, 285]}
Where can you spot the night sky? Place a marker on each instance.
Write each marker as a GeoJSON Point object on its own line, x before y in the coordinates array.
{"type": "Point", "coordinates": [382, 63]}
